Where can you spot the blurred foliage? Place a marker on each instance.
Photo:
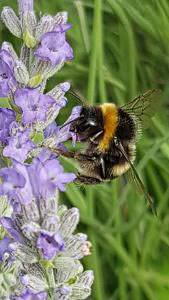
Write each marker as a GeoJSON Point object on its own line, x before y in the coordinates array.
{"type": "Point", "coordinates": [121, 49]}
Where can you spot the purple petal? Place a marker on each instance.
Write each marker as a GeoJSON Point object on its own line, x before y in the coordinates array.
{"type": "Point", "coordinates": [62, 27]}
{"type": "Point", "coordinates": [64, 133]}
{"type": "Point", "coordinates": [51, 130]}
{"type": "Point", "coordinates": [4, 243]}
{"type": "Point", "coordinates": [34, 105]}
{"type": "Point", "coordinates": [24, 194]}
{"type": "Point", "coordinates": [54, 47]}
{"type": "Point", "coordinates": [50, 245]}
{"type": "Point", "coordinates": [28, 295]}
{"type": "Point", "coordinates": [65, 86]}
{"type": "Point", "coordinates": [12, 179]}
{"type": "Point", "coordinates": [10, 227]}
{"type": "Point", "coordinates": [7, 79]}
{"type": "Point", "coordinates": [7, 116]}
{"type": "Point", "coordinates": [48, 175]}
{"type": "Point", "coordinates": [7, 58]}
{"type": "Point", "coordinates": [19, 146]}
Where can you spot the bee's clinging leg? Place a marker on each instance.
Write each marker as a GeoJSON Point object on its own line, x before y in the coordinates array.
{"type": "Point", "coordinates": [92, 139]}
{"type": "Point", "coordinates": [87, 180]}
{"type": "Point", "coordinates": [76, 155]}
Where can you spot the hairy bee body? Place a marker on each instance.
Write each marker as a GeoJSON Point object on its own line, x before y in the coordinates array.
{"type": "Point", "coordinates": [110, 134]}
{"type": "Point", "coordinates": [101, 127]}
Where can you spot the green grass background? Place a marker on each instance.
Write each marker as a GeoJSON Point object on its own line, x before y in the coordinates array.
{"type": "Point", "coordinates": [121, 49]}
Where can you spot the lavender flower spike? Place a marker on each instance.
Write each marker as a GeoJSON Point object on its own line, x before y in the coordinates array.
{"type": "Point", "coordinates": [40, 252]}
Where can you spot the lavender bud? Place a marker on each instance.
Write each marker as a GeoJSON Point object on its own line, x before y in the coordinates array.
{"type": "Point", "coordinates": [68, 270]}
{"type": "Point", "coordinates": [25, 6]}
{"type": "Point", "coordinates": [11, 21]}
{"type": "Point", "coordinates": [63, 292]}
{"type": "Point", "coordinates": [25, 55]}
{"type": "Point", "coordinates": [61, 17]}
{"type": "Point", "coordinates": [50, 207]}
{"type": "Point", "coordinates": [9, 48]}
{"type": "Point", "coordinates": [24, 253]}
{"type": "Point", "coordinates": [86, 278]}
{"type": "Point", "coordinates": [21, 73]}
{"type": "Point", "coordinates": [45, 24]}
{"type": "Point", "coordinates": [34, 283]}
{"type": "Point", "coordinates": [80, 292]}
{"type": "Point", "coordinates": [62, 209]}
{"type": "Point", "coordinates": [29, 22]}
{"type": "Point", "coordinates": [50, 223]}
{"type": "Point", "coordinates": [52, 70]}
{"type": "Point", "coordinates": [69, 222]}
{"type": "Point", "coordinates": [59, 90]}
{"type": "Point", "coordinates": [39, 67]}
{"type": "Point", "coordinates": [77, 246]}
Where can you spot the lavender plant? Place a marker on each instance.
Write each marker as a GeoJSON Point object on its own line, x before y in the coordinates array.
{"type": "Point", "coordinates": [39, 251]}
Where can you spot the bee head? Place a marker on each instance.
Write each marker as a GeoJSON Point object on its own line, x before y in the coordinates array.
{"type": "Point", "coordinates": [89, 123]}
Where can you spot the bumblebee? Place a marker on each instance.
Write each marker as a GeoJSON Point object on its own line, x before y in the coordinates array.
{"type": "Point", "coordinates": [111, 133]}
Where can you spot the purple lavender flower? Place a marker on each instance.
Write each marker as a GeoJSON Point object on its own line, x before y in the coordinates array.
{"type": "Point", "coordinates": [51, 130]}
{"type": "Point", "coordinates": [19, 146]}
{"type": "Point", "coordinates": [7, 80]}
{"type": "Point", "coordinates": [54, 47]}
{"type": "Point", "coordinates": [40, 179]}
{"type": "Point", "coordinates": [11, 180]}
{"type": "Point", "coordinates": [4, 246]}
{"type": "Point", "coordinates": [50, 244]}
{"type": "Point", "coordinates": [7, 116]}
{"type": "Point", "coordinates": [28, 295]}
{"type": "Point", "coordinates": [10, 226]}
{"type": "Point", "coordinates": [48, 174]}
{"type": "Point", "coordinates": [24, 194]}
{"type": "Point", "coordinates": [16, 184]}
{"type": "Point", "coordinates": [34, 105]}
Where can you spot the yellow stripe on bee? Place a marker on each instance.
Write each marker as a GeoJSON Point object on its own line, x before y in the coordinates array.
{"type": "Point", "coordinates": [110, 119]}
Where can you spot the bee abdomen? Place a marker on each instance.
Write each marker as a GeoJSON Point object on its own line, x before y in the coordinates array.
{"type": "Point", "coordinates": [122, 166]}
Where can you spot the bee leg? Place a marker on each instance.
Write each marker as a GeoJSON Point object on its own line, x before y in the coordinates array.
{"type": "Point", "coordinates": [68, 154]}
{"type": "Point", "coordinates": [84, 157]}
{"type": "Point", "coordinates": [92, 139]}
{"type": "Point", "coordinates": [76, 155]}
{"type": "Point", "coordinates": [103, 168]}
{"type": "Point", "coordinates": [87, 180]}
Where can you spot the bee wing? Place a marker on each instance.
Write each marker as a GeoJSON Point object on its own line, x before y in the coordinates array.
{"type": "Point", "coordinates": [77, 97]}
{"type": "Point", "coordinates": [138, 180]}
{"type": "Point", "coordinates": [144, 106]}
